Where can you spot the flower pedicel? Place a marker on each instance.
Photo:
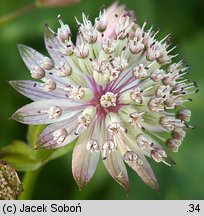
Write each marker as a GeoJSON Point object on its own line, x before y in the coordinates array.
{"type": "Point", "coordinates": [116, 90]}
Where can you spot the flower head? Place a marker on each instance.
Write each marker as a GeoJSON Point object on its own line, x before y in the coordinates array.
{"type": "Point", "coordinates": [10, 185]}
{"type": "Point", "coordinates": [116, 90]}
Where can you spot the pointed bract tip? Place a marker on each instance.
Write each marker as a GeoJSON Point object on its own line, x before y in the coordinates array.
{"type": "Point", "coordinates": [12, 117]}
{"type": "Point", "coordinates": [38, 146]}
{"type": "Point", "coordinates": [17, 117]}
{"type": "Point", "coordinates": [12, 82]}
{"type": "Point", "coordinates": [156, 187]}
{"type": "Point", "coordinates": [80, 186]}
{"type": "Point", "coordinates": [127, 188]}
{"type": "Point", "coordinates": [22, 48]}
{"type": "Point", "coordinates": [125, 185]}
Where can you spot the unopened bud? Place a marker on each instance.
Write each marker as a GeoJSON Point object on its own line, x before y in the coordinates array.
{"type": "Point", "coordinates": [173, 144]}
{"type": "Point", "coordinates": [37, 72]}
{"type": "Point", "coordinates": [49, 85]}
{"type": "Point", "coordinates": [47, 64]}
{"type": "Point", "coordinates": [178, 134]}
{"type": "Point", "coordinates": [184, 115]}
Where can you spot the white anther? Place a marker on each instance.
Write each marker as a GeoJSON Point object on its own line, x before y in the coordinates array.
{"type": "Point", "coordinates": [136, 46]}
{"type": "Point", "coordinates": [110, 74]}
{"type": "Point", "coordinates": [64, 32]}
{"type": "Point", "coordinates": [132, 158]}
{"type": "Point", "coordinates": [139, 33]}
{"type": "Point", "coordinates": [178, 134]}
{"type": "Point", "coordinates": [49, 85]}
{"type": "Point", "coordinates": [109, 45]}
{"type": "Point", "coordinates": [84, 120]}
{"type": "Point", "coordinates": [108, 147]}
{"type": "Point", "coordinates": [144, 141]}
{"type": "Point", "coordinates": [65, 69]}
{"type": "Point", "coordinates": [139, 71]}
{"type": "Point", "coordinates": [184, 115]}
{"type": "Point", "coordinates": [157, 75]}
{"type": "Point", "coordinates": [60, 135]}
{"type": "Point", "coordinates": [88, 31]}
{"type": "Point", "coordinates": [156, 104]}
{"type": "Point", "coordinates": [150, 42]}
{"type": "Point", "coordinates": [37, 72]}
{"type": "Point", "coordinates": [120, 63]}
{"type": "Point", "coordinates": [82, 50]}
{"type": "Point", "coordinates": [170, 123]}
{"type": "Point", "coordinates": [163, 91]}
{"type": "Point", "coordinates": [47, 63]}
{"type": "Point", "coordinates": [167, 122]}
{"type": "Point", "coordinates": [173, 144]}
{"type": "Point", "coordinates": [164, 58]}
{"type": "Point", "coordinates": [54, 112]}
{"type": "Point", "coordinates": [92, 145]}
{"type": "Point", "coordinates": [109, 99]}
{"type": "Point", "coordinates": [99, 64]}
{"type": "Point", "coordinates": [75, 92]}
{"type": "Point", "coordinates": [174, 68]}
{"type": "Point", "coordinates": [178, 88]}
{"type": "Point", "coordinates": [67, 49]}
{"type": "Point", "coordinates": [157, 51]}
{"type": "Point", "coordinates": [136, 118]}
{"type": "Point", "coordinates": [151, 55]}
{"type": "Point", "coordinates": [158, 154]}
{"type": "Point", "coordinates": [115, 128]}
{"type": "Point", "coordinates": [101, 22]}
{"type": "Point", "coordinates": [136, 95]}
{"type": "Point", "coordinates": [123, 26]}
{"type": "Point", "coordinates": [173, 101]}
{"type": "Point", "coordinates": [169, 79]}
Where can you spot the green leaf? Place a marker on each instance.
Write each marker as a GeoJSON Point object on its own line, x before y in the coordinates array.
{"type": "Point", "coordinates": [45, 155]}
{"type": "Point", "coordinates": [61, 151]}
{"type": "Point", "coordinates": [20, 155]}
{"type": "Point", "coordinates": [24, 157]}
{"type": "Point", "coordinates": [33, 133]}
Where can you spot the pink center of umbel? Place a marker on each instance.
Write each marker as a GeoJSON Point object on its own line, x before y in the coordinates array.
{"type": "Point", "coordinates": [105, 99]}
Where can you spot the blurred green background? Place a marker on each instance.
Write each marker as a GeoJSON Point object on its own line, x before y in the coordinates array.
{"type": "Point", "coordinates": [185, 20]}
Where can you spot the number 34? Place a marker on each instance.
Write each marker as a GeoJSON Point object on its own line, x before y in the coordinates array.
{"type": "Point", "coordinates": [194, 208]}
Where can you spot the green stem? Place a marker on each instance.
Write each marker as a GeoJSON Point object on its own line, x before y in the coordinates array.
{"type": "Point", "coordinates": [17, 13]}
{"type": "Point", "coordinates": [29, 181]}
